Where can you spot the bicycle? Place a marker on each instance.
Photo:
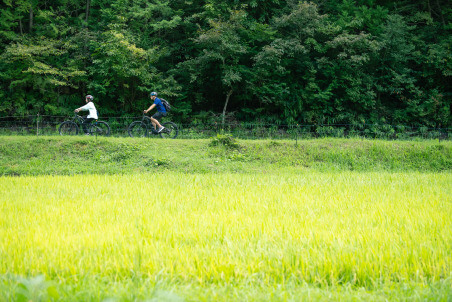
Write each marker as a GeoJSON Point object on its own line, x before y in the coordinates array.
{"type": "Point", "coordinates": [144, 127]}
{"type": "Point", "coordinates": [96, 127]}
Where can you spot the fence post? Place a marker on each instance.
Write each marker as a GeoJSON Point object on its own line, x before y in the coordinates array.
{"type": "Point", "coordinates": [439, 133]}
{"type": "Point", "coordinates": [37, 125]}
{"type": "Point", "coordinates": [296, 136]}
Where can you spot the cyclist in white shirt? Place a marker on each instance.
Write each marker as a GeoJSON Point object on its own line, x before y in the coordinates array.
{"type": "Point", "coordinates": [92, 112]}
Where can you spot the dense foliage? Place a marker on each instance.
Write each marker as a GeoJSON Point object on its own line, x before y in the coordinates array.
{"type": "Point", "coordinates": [284, 62]}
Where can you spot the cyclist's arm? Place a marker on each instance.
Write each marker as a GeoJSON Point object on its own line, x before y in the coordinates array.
{"type": "Point", "coordinates": [86, 107]}
{"type": "Point", "coordinates": [150, 108]}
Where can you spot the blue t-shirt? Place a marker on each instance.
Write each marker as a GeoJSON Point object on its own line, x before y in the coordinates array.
{"type": "Point", "coordinates": [158, 103]}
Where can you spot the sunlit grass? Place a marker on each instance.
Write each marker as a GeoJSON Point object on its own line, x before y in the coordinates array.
{"type": "Point", "coordinates": [319, 228]}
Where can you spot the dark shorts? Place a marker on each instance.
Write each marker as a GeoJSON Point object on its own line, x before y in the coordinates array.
{"type": "Point", "coordinates": [159, 115]}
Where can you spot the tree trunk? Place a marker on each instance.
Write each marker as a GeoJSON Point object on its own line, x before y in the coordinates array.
{"type": "Point", "coordinates": [88, 4]}
{"type": "Point", "coordinates": [441, 13]}
{"type": "Point", "coordinates": [21, 27]}
{"type": "Point", "coordinates": [31, 18]}
{"type": "Point", "coordinates": [226, 105]}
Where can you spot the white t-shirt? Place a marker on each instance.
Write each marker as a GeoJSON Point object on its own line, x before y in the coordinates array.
{"type": "Point", "coordinates": [92, 110]}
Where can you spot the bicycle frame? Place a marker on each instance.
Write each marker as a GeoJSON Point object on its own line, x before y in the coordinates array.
{"type": "Point", "coordinates": [147, 120]}
{"type": "Point", "coordinates": [78, 119]}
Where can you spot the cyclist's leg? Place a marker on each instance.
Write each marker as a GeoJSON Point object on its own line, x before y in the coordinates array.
{"type": "Point", "coordinates": [155, 120]}
{"type": "Point", "coordinates": [85, 124]}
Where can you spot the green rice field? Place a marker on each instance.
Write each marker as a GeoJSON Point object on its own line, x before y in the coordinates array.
{"type": "Point", "coordinates": [271, 235]}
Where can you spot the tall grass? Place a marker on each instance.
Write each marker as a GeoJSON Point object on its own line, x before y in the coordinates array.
{"type": "Point", "coordinates": [210, 230]}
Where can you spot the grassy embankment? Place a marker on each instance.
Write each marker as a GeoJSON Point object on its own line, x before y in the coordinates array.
{"type": "Point", "coordinates": [265, 220]}
{"type": "Point", "coordinates": [81, 155]}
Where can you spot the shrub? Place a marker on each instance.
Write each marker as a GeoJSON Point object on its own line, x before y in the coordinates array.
{"type": "Point", "coordinates": [225, 140]}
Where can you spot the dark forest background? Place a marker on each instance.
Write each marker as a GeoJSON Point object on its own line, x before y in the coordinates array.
{"type": "Point", "coordinates": [283, 62]}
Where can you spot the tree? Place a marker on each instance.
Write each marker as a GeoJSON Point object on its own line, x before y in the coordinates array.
{"type": "Point", "coordinates": [34, 77]}
{"type": "Point", "coordinates": [222, 55]}
{"type": "Point", "coordinates": [286, 68]}
{"type": "Point", "coordinates": [120, 71]}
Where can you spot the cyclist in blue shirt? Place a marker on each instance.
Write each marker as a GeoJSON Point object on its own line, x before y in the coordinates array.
{"type": "Point", "coordinates": [161, 112]}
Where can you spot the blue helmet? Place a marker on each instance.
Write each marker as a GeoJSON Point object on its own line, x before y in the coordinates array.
{"type": "Point", "coordinates": [153, 93]}
{"type": "Point", "coordinates": [90, 97]}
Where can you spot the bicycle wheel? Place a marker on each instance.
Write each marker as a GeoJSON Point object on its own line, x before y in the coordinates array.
{"type": "Point", "coordinates": [99, 128]}
{"type": "Point", "coordinates": [138, 129]}
{"type": "Point", "coordinates": [171, 130]}
{"type": "Point", "coordinates": [68, 128]}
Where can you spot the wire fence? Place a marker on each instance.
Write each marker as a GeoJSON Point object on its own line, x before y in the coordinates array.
{"type": "Point", "coordinates": [48, 125]}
